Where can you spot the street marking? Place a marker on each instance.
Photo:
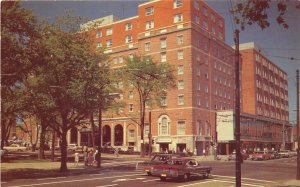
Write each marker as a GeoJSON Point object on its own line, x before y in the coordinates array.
{"type": "Point", "coordinates": [76, 180]}
{"type": "Point", "coordinates": [51, 178]}
{"type": "Point", "coordinates": [96, 174]}
{"type": "Point", "coordinates": [245, 178]}
{"type": "Point", "coordinates": [151, 180]}
{"type": "Point", "coordinates": [108, 185]}
{"type": "Point", "coordinates": [247, 184]}
{"type": "Point", "coordinates": [122, 180]}
{"type": "Point", "coordinates": [196, 183]}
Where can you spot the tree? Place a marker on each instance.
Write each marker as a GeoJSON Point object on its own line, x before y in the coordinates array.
{"type": "Point", "coordinates": [150, 80]}
{"type": "Point", "coordinates": [18, 27]}
{"type": "Point", "coordinates": [70, 73]}
{"type": "Point", "coordinates": [256, 11]}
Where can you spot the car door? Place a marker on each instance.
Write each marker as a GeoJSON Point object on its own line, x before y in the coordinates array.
{"type": "Point", "coordinates": [191, 166]}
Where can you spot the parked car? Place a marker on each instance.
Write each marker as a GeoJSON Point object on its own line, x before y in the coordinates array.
{"type": "Point", "coordinates": [260, 155]}
{"type": "Point", "coordinates": [285, 153]}
{"type": "Point", "coordinates": [72, 147]}
{"type": "Point", "coordinates": [233, 156]}
{"type": "Point", "coordinates": [2, 152]}
{"type": "Point", "coordinates": [294, 153]}
{"type": "Point", "coordinates": [180, 168]}
{"type": "Point", "coordinates": [274, 154]}
{"type": "Point", "coordinates": [155, 160]}
{"type": "Point", "coordinates": [14, 147]}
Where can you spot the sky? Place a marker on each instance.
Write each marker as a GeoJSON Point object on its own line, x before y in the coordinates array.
{"type": "Point", "coordinates": [279, 44]}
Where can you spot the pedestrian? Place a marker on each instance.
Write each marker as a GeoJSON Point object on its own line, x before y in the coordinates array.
{"type": "Point", "coordinates": [167, 150]}
{"type": "Point", "coordinates": [90, 158]}
{"type": "Point", "coordinates": [184, 150]}
{"type": "Point", "coordinates": [85, 157]}
{"type": "Point", "coordinates": [76, 159]}
{"type": "Point", "coordinates": [117, 152]}
{"type": "Point", "coordinates": [95, 155]}
{"type": "Point", "coordinates": [204, 152]}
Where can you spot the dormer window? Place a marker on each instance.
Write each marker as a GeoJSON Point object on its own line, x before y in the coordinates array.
{"type": "Point", "coordinates": [149, 11]}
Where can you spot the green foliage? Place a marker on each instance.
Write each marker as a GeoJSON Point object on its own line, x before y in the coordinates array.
{"type": "Point", "coordinates": [256, 11]}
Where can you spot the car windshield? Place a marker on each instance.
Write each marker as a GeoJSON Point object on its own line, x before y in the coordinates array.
{"type": "Point", "coordinates": [174, 162]}
{"type": "Point", "coordinates": [160, 158]}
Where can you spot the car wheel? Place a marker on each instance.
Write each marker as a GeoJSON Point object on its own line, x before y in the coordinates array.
{"type": "Point", "coordinates": [185, 177]}
{"type": "Point", "coordinates": [206, 175]}
{"type": "Point", "coordinates": [163, 178]}
{"type": "Point", "coordinates": [149, 173]}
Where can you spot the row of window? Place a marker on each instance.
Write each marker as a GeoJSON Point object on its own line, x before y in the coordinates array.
{"type": "Point", "coordinates": [270, 66]}
{"type": "Point", "coordinates": [283, 105]}
{"type": "Point", "coordinates": [271, 114]}
{"type": "Point", "coordinates": [271, 78]}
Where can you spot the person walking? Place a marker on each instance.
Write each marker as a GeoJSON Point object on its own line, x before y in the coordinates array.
{"type": "Point", "coordinates": [85, 157]}
{"type": "Point", "coordinates": [95, 155]}
{"type": "Point", "coordinates": [76, 159]}
{"type": "Point", "coordinates": [90, 158]}
{"type": "Point", "coordinates": [117, 152]}
{"type": "Point", "coordinates": [204, 152]}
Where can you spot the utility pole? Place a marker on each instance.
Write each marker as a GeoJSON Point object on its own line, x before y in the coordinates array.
{"type": "Point", "coordinates": [150, 135]}
{"type": "Point", "coordinates": [238, 169]}
{"type": "Point", "coordinates": [216, 139]}
{"type": "Point", "coordinates": [298, 126]}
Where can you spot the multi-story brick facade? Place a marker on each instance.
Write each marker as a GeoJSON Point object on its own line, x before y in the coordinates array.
{"type": "Point", "coordinates": [189, 35]}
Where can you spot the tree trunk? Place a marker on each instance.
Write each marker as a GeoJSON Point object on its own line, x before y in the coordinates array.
{"type": "Point", "coordinates": [42, 139]}
{"type": "Point", "coordinates": [53, 146]}
{"type": "Point", "coordinates": [93, 130]}
{"type": "Point", "coordinates": [142, 122]}
{"type": "Point", "coordinates": [64, 153]}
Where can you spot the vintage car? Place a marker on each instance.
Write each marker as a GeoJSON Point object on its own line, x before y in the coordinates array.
{"type": "Point", "coordinates": [260, 155]}
{"type": "Point", "coordinates": [155, 160]}
{"type": "Point", "coordinates": [274, 154]}
{"type": "Point", "coordinates": [285, 153]}
{"type": "Point", "coordinates": [14, 147]}
{"type": "Point", "coordinates": [180, 168]}
{"type": "Point", "coordinates": [233, 156]}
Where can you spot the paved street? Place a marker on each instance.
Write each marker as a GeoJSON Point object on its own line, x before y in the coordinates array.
{"type": "Point", "coordinates": [122, 173]}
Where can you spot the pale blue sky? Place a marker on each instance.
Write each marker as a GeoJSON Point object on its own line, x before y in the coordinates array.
{"type": "Point", "coordinates": [280, 44]}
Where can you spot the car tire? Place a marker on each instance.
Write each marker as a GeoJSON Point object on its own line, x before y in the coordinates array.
{"type": "Point", "coordinates": [149, 173]}
{"type": "Point", "coordinates": [163, 178]}
{"type": "Point", "coordinates": [185, 177]}
{"type": "Point", "coordinates": [206, 175]}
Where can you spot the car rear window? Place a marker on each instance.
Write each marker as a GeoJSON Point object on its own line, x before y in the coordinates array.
{"type": "Point", "coordinates": [175, 162]}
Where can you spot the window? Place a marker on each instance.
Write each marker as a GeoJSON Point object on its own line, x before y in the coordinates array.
{"type": "Point", "coordinates": [198, 70]}
{"type": "Point", "coordinates": [164, 124]}
{"type": "Point", "coordinates": [149, 11]}
{"type": "Point", "coordinates": [181, 100]}
{"type": "Point", "coordinates": [180, 55]}
{"type": "Point", "coordinates": [196, 4]}
{"type": "Point", "coordinates": [196, 19]}
{"type": "Point", "coordinates": [206, 75]}
{"type": "Point", "coordinates": [98, 45]}
{"type": "Point", "coordinates": [115, 60]}
{"type": "Point", "coordinates": [213, 17]}
{"type": "Point", "coordinates": [121, 60]}
{"type": "Point", "coordinates": [180, 85]}
{"type": "Point", "coordinates": [179, 40]}
{"type": "Point", "coordinates": [130, 95]}
{"type": "Point", "coordinates": [109, 42]}
{"type": "Point", "coordinates": [98, 34]}
{"type": "Point", "coordinates": [206, 89]}
{"type": "Point", "coordinates": [180, 70]}
{"type": "Point", "coordinates": [146, 129]}
{"type": "Point", "coordinates": [163, 43]}
{"type": "Point", "coordinates": [177, 3]}
{"type": "Point", "coordinates": [163, 57]}
{"type": "Point", "coordinates": [178, 18]}
{"type": "Point", "coordinates": [130, 107]}
{"type": "Point", "coordinates": [109, 31]}
{"type": "Point", "coordinates": [128, 26]}
{"type": "Point", "coordinates": [220, 23]}
{"type": "Point", "coordinates": [128, 39]}
{"type": "Point", "coordinates": [198, 84]}
{"type": "Point", "coordinates": [205, 26]}
{"type": "Point", "coordinates": [131, 133]}
{"type": "Point", "coordinates": [213, 31]}
{"type": "Point", "coordinates": [199, 128]}
{"type": "Point", "coordinates": [206, 103]}
{"type": "Point", "coordinates": [163, 101]}
{"type": "Point", "coordinates": [149, 25]}
{"type": "Point", "coordinates": [204, 11]}
{"type": "Point", "coordinates": [130, 56]}
{"type": "Point", "coordinates": [220, 35]}
{"type": "Point", "coordinates": [207, 128]}
{"type": "Point", "coordinates": [181, 128]}
{"type": "Point", "coordinates": [147, 46]}
{"type": "Point", "coordinates": [198, 99]}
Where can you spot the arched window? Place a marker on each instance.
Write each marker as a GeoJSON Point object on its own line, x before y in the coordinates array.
{"type": "Point", "coordinates": [164, 126]}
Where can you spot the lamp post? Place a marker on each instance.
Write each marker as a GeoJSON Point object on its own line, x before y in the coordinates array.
{"type": "Point", "coordinates": [298, 126]}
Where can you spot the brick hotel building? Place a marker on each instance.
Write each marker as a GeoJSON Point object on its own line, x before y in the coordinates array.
{"type": "Point", "coordinates": [189, 35]}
